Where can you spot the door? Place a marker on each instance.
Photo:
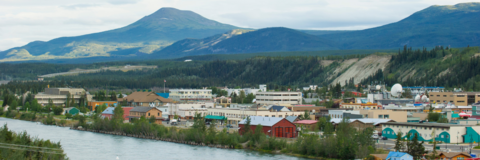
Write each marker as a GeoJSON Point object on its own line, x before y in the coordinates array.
{"type": "Point", "coordinates": [279, 132]}
{"type": "Point", "coordinates": [289, 132]}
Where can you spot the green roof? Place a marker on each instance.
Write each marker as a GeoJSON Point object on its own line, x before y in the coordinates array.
{"type": "Point", "coordinates": [215, 117]}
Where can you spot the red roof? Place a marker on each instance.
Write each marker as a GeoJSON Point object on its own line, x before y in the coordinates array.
{"type": "Point", "coordinates": [306, 122]}
{"type": "Point", "coordinates": [126, 112]}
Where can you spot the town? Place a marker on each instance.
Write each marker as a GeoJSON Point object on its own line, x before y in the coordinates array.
{"type": "Point", "coordinates": [435, 115]}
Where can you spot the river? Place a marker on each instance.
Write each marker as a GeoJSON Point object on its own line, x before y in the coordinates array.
{"type": "Point", "coordinates": [87, 145]}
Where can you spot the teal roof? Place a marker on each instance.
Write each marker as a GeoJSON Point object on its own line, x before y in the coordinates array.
{"type": "Point", "coordinates": [215, 117]}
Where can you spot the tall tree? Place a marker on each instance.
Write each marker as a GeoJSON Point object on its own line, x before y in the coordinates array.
{"type": "Point", "coordinates": [399, 146]}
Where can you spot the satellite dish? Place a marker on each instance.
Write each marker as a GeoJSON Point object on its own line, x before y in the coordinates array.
{"type": "Point", "coordinates": [396, 90]}
{"type": "Point", "coordinates": [378, 87]}
{"type": "Point", "coordinates": [424, 98]}
{"type": "Point", "coordinates": [417, 98]}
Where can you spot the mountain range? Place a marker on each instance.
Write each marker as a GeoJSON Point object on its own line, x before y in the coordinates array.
{"type": "Point", "coordinates": [173, 33]}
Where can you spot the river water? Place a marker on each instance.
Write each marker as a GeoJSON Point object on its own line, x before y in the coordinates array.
{"type": "Point", "coordinates": [87, 145]}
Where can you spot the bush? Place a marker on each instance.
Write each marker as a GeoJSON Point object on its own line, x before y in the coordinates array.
{"type": "Point", "coordinates": [57, 110]}
{"type": "Point", "coordinates": [68, 115]}
{"type": "Point", "coordinates": [49, 120]}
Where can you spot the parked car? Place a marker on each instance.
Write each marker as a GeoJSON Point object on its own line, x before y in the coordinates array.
{"type": "Point", "coordinates": [375, 136]}
{"type": "Point", "coordinates": [384, 138]}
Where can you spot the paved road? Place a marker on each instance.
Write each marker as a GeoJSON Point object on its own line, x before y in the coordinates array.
{"type": "Point", "coordinates": [390, 144]}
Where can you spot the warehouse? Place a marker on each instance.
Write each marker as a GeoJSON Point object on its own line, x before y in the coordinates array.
{"type": "Point", "coordinates": [272, 126]}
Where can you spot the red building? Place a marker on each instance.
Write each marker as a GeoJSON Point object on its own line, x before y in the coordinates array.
{"type": "Point", "coordinates": [108, 113]}
{"type": "Point", "coordinates": [272, 126]}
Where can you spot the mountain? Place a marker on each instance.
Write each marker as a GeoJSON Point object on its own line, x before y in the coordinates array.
{"type": "Point", "coordinates": [457, 26]}
{"type": "Point", "coordinates": [263, 40]}
{"type": "Point", "coordinates": [152, 32]}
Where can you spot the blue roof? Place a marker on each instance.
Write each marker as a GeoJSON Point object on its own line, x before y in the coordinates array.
{"type": "Point", "coordinates": [276, 108]}
{"type": "Point", "coordinates": [417, 104]}
{"type": "Point", "coordinates": [425, 87]}
{"type": "Point", "coordinates": [109, 110]}
{"type": "Point", "coordinates": [396, 154]}
{"type": "Point", "coordinates": [164, 95]}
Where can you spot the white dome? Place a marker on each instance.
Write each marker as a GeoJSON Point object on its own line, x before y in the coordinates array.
{"type": "Point", "coordinates": [378, 87]}
{"type": "Point", "coordinates": [396, 90]}
{"type": "Point", "coordinates": [417, 98]}
{"type": "Point", "coordinates": [424, 98]}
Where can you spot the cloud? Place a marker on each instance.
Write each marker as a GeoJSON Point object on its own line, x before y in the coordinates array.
{"type": "Point", "coordinates": [23, 21]}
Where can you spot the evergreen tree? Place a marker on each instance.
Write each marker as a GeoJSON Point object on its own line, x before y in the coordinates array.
{"type": "Point", "coordinates": [399, 146]}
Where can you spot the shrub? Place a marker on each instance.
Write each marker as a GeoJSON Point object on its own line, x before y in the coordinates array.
{"type": "Point", "coordinates": [68, 115]}
{"type": "Point", "coordinates": [57, 110]}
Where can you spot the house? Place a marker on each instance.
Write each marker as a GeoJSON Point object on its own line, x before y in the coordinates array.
{"type": "Point", "coordinates": [454, 155]}
{"type": "Point", "coordinates": [272, 126]}
{"type": "Point", "coordinates": [108, 113]}
{"type": "Point", "coordinates": [399, 156]}
{"type": "Point", "coordinates": [292, 118]}
{"type": "Point", "coordinates": [379, 156]}
{"type": "Point", "coordinates": [274, 108]}
{"type": "Point", "coordinates": [307, 124]}
{"type": "Point", "coordinates": [71, 110]}
{"type": "Point", "coordinates": [147, 112]}
{"type": "Point", "coordinates": [145, 99]}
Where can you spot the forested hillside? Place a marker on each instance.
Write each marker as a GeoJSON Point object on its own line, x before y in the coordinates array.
{"type": "Point", "coordinates": [447, 67]}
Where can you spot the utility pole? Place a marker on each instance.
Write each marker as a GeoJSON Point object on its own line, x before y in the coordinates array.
{"type": "Point", "coordinates": [164, 81]}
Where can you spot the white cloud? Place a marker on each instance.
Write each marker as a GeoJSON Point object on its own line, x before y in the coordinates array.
{"type": "Point", "coordinates": [23, 21]}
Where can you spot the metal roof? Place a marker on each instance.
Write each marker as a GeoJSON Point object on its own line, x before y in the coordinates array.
{"type": "Point", "coordinates": [276, 108]}
{"type": "Point", "coordinates": [375, 121]}
{"type": "Point", "coordinates": [109, 110]}
{"type": "Point", "coordinates": [264, 121]}
{"type": "Point", "coordinates": [291, 118]}
{"type": "Point", "coordinates": [427, 124]}
{"type": "Point", "coordinates": [141, 109]}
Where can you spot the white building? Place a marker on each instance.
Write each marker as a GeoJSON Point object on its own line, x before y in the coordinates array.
{"type": "Point", "coordinates": [176, 108]}
{"type": "Point", "coordinates": [311, 87]}
{"type": "Point", "coordinates": [262, 88]}
{"type": "Point", "coordinates": [190, 95]}
{"type": "Point", "coordinates": [279, 98]}
{"type": "Point", "coordinates": [235, 115]}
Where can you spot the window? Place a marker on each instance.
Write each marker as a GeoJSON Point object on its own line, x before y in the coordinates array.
{"type": "Point", "coordinates": [273, 115]}
{"type": "Point", "coordinates": [280, 116]}
{"type": "Point", "coordinates": [460, 101]}
{"type": "Point", "coordinates": [380, 116]}
{"type": "Point", "coordinates": [444, 95]}
{"type": "Point", "coordinates": [148, 114]}
{"type": "Point", "coordinates": [386, 116]}
{"type": "Point", "coordinates": [158, 114]}
{"type": "Point", "coordinates": [460, 95]}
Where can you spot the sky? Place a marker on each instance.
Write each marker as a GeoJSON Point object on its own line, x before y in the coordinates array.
{"type": "Point", "coordinates": [24, 21]}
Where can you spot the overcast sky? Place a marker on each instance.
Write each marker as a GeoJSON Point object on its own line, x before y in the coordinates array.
{"type": "Point", "coordinates": [23, 21]}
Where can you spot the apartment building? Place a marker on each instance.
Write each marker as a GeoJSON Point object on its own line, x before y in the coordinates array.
{"type": "Point", "coordinates": [279, 98]}
{"type": "Point", "coordinates": [457, 98]}
{"type": "Point", "coordinates": [59, 95]}
{"type": "Point", "coordinates": [191, 95]}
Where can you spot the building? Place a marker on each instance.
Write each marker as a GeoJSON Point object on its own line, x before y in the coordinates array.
{"type": "Point", "coordinates": [279, 98]}
{"type": "Point", "coordinates": [71, 110]}
{"type": "Point", "coordinates": [339, 113]}
{"type": "Point", "coordinates": [94, 104]}
{"type": "Point", "coordinates": [59, 95]}
{"type": "Point", "coordinates": [272, 126]}
{"type": "Point", "coordinates": [399, 156]}
{"type": "Point", "coordinates": [108, 113]}
{"type": "Point", "coordinates": [454, 155]}
{"type": "Point", "coordinates": [235, 115]}
{"type": "Point", "coordinates": [187, 109]}
{"type": "Point", "coordinates": [189, 113]}
{"type": "Point", "coordinates": [309, 108]}
{"type": "Point", "coordinates": [292, 118]}
{"type": "Point", "coordinates": [421, 90]}
{"type": "Point", "coordinates": [278, 109]}
{"type": "Point", "coordinates": [311, 87]}
{"type": "Point", "coordinates": [311, 125]}
{"type": "Point", "coordinates": [191, 95]}
{"type": "Point", "coordinates": [445, 132]}
{"type": "Point", "coordinates": [457, 98]}
{"type": "Point", "coordinates": [358, 106]}
{"type": "Point", "coordinates": [361, 124]}
{"type": "Point", "coordinates": [147, 112]}
{"type": "Point", "coordinates": [145, 99]}
{"type": "Point", "coordinates": [397, 116]}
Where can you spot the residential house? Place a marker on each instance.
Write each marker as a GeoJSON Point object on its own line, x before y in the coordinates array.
{"type": "Point", "coordinates": [454, 155]}
{"type": "Point", "coordinates": [145, 99]}
{"type": "Point", "coordinates": [147, 112]}
{"type": "Point", "coordinates": [272, 126]}
{"type": "Point", "coordinates": [108, 113]}
{"type": "Point", "coordinates": [399, 156]}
